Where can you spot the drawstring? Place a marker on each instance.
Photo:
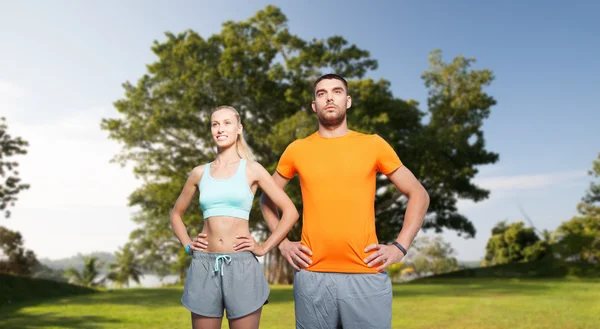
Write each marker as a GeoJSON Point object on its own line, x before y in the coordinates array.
{"type": "Point", "coordinates": [223, 259]}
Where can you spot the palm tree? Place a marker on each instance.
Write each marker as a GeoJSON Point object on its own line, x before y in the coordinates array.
{"type": "Point", "coordinates": [126, 267]}
{"type": "Point", "coordinates": [87, 277]}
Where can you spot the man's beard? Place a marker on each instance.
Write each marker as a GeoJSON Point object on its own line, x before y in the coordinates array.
{"type": "Point", "coordinates": [331, 122]}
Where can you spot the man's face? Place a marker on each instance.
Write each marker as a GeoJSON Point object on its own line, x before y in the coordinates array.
{"type": "Point", "coordinates": [331, 102]}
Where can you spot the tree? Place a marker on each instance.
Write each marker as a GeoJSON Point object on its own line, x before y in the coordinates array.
{"type": "Point", "coordinates": [10, 183]}
{"type": "Point", "coordinates": [396, 270]}
{"type": "Point", "coordinates": [127, 267]}
{"type": "Point", "coordinates": [445, 153]}
{"type": "Point", "coordinates": [433, 256]}
{"type": "Point", "coordinates": [579, 238]}
{"type": "Point", "coordinates": [14, 258]}
{"type": "Point", "coordinates": [514, 243]}
{"type": "Point", "coordinates": [266, 72]}
{"type": "Point", "coordinates": [88, 276]}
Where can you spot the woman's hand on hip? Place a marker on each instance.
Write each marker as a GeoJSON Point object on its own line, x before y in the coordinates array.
{"type": "Point", "coordinates": [248, 243]}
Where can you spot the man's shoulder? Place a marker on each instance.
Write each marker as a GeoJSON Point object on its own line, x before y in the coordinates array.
{"type": "Point", "coordinates": [302, 142]}
{"type": "Point", "coordinates": [356, 134]}
{"type": "Point", "coordinates": [368, 138]}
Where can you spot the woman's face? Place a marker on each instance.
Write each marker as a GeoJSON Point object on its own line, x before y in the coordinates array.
{"type": "Point", "coordinates": [225, 128]}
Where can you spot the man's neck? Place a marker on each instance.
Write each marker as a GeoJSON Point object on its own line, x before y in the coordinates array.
{"type": "Point", "coordinates": [333, 132]}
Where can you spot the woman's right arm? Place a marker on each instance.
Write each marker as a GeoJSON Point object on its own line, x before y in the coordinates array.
{"type": "Point", "coordinates": [183, 201]}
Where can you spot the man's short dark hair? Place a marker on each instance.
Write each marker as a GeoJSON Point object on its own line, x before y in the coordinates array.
{"type": "Point", "coordinates": [328, 77]}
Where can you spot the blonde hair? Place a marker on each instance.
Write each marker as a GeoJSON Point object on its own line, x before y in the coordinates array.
{"type": "Point", "coordinates": [242, 148]}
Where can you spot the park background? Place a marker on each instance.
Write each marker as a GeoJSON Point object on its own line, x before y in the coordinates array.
{"type": "Point", "coordinates": [493, 106]}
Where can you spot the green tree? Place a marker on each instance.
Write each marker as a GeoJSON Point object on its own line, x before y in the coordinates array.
{"type": "Point", "coordinates": [266, 72]}
{"type": "Point", "coordinates": [14, 258]}
{"type": "Point", "coordinates": [396, 270]}
{"type": "Point", "coordinates": [433, 256]}
{"type": "Point", "coordinates": [126, 267]}
{"type": "Point", "coordinates": [514, 243]}
{"type": "Point", "coordinates": [10, 183]}
{"type": "Point", "coordinates": [89, 274]}
{"type": "Point", "coordinates": [579, 238]}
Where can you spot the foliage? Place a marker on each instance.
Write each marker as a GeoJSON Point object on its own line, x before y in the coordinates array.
{"type": "Point", "coordinates": [10, 183]}
{"type": "Point", "coordinates": [263, 70]}
{"type": "Point", "coordinates": [514, 243]}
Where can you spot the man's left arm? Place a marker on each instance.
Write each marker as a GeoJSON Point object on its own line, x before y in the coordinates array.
{"type": "Point", "coordinates": [418, 202]}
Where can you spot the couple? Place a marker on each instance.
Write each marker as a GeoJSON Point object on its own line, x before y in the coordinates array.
{"type": "Point", "coordinates": [340, 279]}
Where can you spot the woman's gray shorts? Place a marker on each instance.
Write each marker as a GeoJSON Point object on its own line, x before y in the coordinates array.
{"type": "Point", "coordinates": [231, 281]}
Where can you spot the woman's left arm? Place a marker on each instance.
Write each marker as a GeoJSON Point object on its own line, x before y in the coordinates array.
{"type": "Point", "coordinates": [289, 215]}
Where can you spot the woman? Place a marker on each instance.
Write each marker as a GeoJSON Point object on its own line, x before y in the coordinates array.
{"type": "Point", "coordinates": [225, 273]}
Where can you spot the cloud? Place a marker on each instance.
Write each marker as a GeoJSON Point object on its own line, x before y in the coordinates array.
{"type": "Point", "coordinates": [67, 164]}
{"type": "Point", "coordinates": [11, 90]}
{"type": "Point", "coordinates": [10, 95]}
{"type": "Point", "coordinates": [78, 199]}
{"type": "Point", "coordinates": [529, 182]}
{"type": "Point", "coordinates": [507, 186]}
{"type": "Point", "coordinates": [56, 233]}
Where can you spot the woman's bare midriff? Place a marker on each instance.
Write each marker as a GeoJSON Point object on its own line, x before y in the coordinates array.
{"type": "Point", "coordinates": [221, 232]}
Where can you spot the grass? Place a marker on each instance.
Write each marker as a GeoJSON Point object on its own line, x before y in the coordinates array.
{"type": "Point", "coordinates": [434, 303]}
{"type": "Point", "coordinates": [547, 294]}
{"type": "Point", "coordinates": [15, 289]}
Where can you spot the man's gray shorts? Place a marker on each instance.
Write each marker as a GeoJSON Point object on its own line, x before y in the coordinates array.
{"type": "Point", "coordinates": [231, 281]}
{"type": "Point", "coordinates": [342, 300]}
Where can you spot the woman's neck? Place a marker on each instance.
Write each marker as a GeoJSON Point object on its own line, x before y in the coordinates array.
{"type": "Point", "coordinates": [228, 155]}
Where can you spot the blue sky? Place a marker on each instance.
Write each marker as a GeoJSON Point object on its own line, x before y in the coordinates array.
{"type": "Point", "coordinates": [63, 62]}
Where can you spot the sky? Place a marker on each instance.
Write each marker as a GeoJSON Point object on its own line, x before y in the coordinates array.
{"type": "Point", "coordinates": [63, 63]}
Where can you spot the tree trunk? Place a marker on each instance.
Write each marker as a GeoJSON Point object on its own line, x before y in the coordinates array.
{"type": "Point", "coordinates": [182, 274]}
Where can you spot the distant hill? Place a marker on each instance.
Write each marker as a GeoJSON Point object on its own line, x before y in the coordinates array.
{"type": "Point", "coordinates": [17, 289]}
{"type": "Point", "coordinates": [77, 261]}
{"type": "Point", "coordinates": [41, 271]}
{"type": "Point", "coordinates": [469, 263]}
{"type": "Point", "coordinates": [545, 268]}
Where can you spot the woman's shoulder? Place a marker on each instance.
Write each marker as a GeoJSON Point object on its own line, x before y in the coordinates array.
{"type": "Point", "coordinates": [255, 167]}
{"type": "Point", "coordinates": [196, 173]}
{"type": "Point", "coordinates": [253, 164]}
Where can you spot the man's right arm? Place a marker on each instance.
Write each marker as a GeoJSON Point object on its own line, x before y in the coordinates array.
{"type": "Point", "coordinates": [267, 206]}
{"type": "Point", "coordinates": [294, 252]}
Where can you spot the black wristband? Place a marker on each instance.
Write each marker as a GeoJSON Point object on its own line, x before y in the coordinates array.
{"type": "Point", "coordinates": [395, 243]}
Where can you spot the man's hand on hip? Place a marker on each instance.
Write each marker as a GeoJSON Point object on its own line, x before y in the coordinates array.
{"type": "Point", "coordinates": [384, 255]}
{"type": "Point", "coordinates": [295, 253]}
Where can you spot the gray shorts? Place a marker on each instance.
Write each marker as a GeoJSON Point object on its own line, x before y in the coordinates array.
{"type": "Point", "coordinates": [225, 281]}
{"type": "Point", "coordinates": [342, 300]}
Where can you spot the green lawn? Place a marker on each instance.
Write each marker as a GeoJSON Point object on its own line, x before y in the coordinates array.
{"type": "Point", "coordinates": [440, 303]}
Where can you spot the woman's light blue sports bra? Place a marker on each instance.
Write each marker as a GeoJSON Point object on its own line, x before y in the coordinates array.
{"type": "Point", "coordinates": [226, 197]}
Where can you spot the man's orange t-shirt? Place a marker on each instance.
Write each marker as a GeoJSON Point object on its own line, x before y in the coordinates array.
{"type": "Point", "coordinates": [337, 178]}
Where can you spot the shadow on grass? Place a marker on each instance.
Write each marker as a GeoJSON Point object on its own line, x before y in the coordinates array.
{"type": "Point", "coordinates": [474, 287]}
{"type": "Point", "coordinates": [152, 298]}
{"type": "Point", "coordinates": [546, 268]}
{"type": "Point", "coordinates": [18, 291]}
{"type": "Point", "coordinates": [529, 278]}
{"type": "Point", "coordinates": [52, 319]}
{"type": "Point", "coordinates": [159, 298]}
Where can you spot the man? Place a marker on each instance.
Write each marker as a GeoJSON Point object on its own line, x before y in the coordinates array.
{"type": "Point", "coordinates": [342, 282]}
